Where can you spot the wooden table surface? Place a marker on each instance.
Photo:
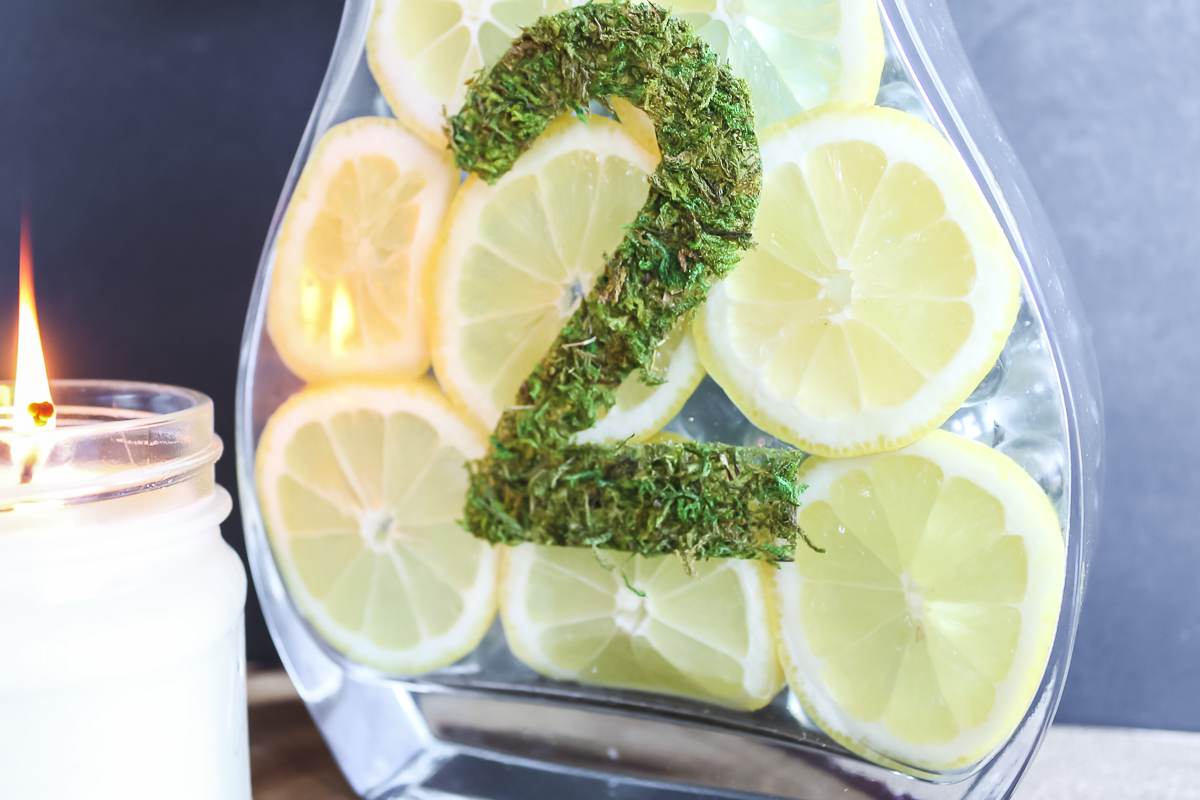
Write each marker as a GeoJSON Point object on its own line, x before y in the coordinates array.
{"type": "Point", "coordinates": [289, 760]}
{"type": "Point", "coordinates": [288, 757]}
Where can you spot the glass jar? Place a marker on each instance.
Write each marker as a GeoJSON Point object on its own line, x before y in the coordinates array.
{"type": "Point", "coordinates": [121, 607]}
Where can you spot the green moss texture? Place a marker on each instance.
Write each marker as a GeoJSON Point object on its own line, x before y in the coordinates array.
{"type": "Point", "coordinates": [698, 500]}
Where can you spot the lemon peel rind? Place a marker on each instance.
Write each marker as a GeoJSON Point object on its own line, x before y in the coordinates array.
{"type": "Point", "coordinates": [408, 358]}
{"type": "Point", "coordinates": [515, 565]}
{"type": "Point", "coordinates": [998, 282]}
{"type": "Point", "coordinates": [425, 398]}
{"type": "Point", "coordinates": [1046, 553]}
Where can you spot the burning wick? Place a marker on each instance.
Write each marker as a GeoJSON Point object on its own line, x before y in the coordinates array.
{"type": "Point", "coordinates": [41, 413]}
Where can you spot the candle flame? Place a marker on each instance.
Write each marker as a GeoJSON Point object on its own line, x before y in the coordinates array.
{"type": "Point", "coordinates": [33, 408]}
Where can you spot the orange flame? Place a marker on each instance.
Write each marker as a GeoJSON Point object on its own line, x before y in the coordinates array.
{"type": "Point", "coordinates": [33, 407]}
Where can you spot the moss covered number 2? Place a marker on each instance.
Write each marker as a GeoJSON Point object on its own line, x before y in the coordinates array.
{"type": "Point", "coordinates": [535, 485]}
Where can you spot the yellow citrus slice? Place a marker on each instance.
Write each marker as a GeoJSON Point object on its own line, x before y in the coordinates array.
{"type": "Point", "coordinates": [920, 635]}
{"type": "Point", "coordinates": [515, 259]}
{"type": "Point", "coordinates": [641, 410]}
{"type": "Point", "coordinates": [422, 52]}
{"type": "Point", "coordinates": [795, 56]}
{"type": "Point", "coordinates": [570, 616]}
{"type": "Point", "coordinates": [881, 292]}
{"type": "Point", "coordinates": [345, 297]}
{"type": "Point", "coordinates": [361, 486]}
{"type": "Point", "coordinates": [636, 123]}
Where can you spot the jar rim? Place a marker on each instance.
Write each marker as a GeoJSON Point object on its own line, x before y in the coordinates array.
{"type": "Point", "coordinates": [114, 438]}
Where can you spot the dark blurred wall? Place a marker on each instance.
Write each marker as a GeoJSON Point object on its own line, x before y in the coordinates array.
{"type": "Point", "coordinates": [153, 137]}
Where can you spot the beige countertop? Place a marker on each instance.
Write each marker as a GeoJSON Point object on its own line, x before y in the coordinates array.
{"type": "Point", "coordinates": [289, 760]}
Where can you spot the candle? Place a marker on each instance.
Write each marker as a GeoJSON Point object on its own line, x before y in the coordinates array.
{"type": "Point", "coordinates": [122, 666]}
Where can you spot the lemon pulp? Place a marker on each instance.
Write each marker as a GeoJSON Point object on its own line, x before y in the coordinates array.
{"type": "Point", "coordinates": [361, 488]}
{"type": "Point", "coordinates": [570, 614]}
{"type": "Point", "coordinates": [880, 294]}
{"type": "Point", "coordinates": [922, 632]}
{"type": "Point", "coordinates": [795, 55]}
{"type": "Point", "coordinates": [345, 297]}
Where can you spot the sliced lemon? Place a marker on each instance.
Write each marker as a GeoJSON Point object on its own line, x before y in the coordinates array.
{"type": "Point", "coordinates": [881, 292]}
{"type": "Point", "coordinates": [921, 634]}
{"type": "Point", "coordinates": [571, 617]}
{"type": "Point", "coordinates": [794, 54]}
{"type": "Point", "coordinates": [422, 52]}
{"type": "Point", "coordinates": [641, 410]}
{"type": "Point", "coordinates": [345, 297]}
{"type": "Point", "coordinates": [515, 260]}
{"type": "Point", "coordinates": [360, 486]}
{"type": "Point", "coordinates": [636, 123]}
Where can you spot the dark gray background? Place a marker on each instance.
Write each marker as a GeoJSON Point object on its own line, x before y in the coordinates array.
{"type": "Point", "coordinates": [153, 137]}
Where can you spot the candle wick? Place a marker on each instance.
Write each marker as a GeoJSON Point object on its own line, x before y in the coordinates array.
{"type": "Point", "coordinates": [41, 413]}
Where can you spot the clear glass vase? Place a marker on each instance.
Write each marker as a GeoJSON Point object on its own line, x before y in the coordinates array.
{"type": "Point", "coordinates": [489, 727]}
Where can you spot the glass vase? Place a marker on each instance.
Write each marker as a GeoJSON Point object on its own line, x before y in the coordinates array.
{"type": "Point", "coordinates": [489, 727]}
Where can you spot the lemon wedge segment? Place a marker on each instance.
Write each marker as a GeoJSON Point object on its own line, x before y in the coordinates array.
{"type": "Point", "coordinates": [345, 297]}
{"type": "Point", "coordinates": [361, 486]}
{"type": "Point", "coordinates": [571, 616]}
{"type": "Point", "coordinates": [919, 637]}
{"type": "Point", "coordinates": [880, 294]}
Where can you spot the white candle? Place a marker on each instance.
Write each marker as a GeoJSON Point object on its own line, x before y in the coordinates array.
{"type": "Point", "coordinates": [122, 667]}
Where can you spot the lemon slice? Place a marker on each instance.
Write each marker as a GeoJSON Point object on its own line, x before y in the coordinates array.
{"type": "Point", "coordinates": [345, 297]}
{"type": "Point", "coordinates": [360, 486]}
{"type": "Point", "coordinates": [881, 292]}
{"type": "Point", "coordinates": [515, 260]}
{"type": "Point", "coordinates": [795, 56]}
{"type": "Point", "coordinates": [636, 123]}
{"type": "Point", "coordinates": [570, 617]}
{"type": "Point", "coordinates": [422, 52]}
{"type": "Point", "coordinates": [920, 636]}
{"type": "Point", "coordinates": [641, 410]}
